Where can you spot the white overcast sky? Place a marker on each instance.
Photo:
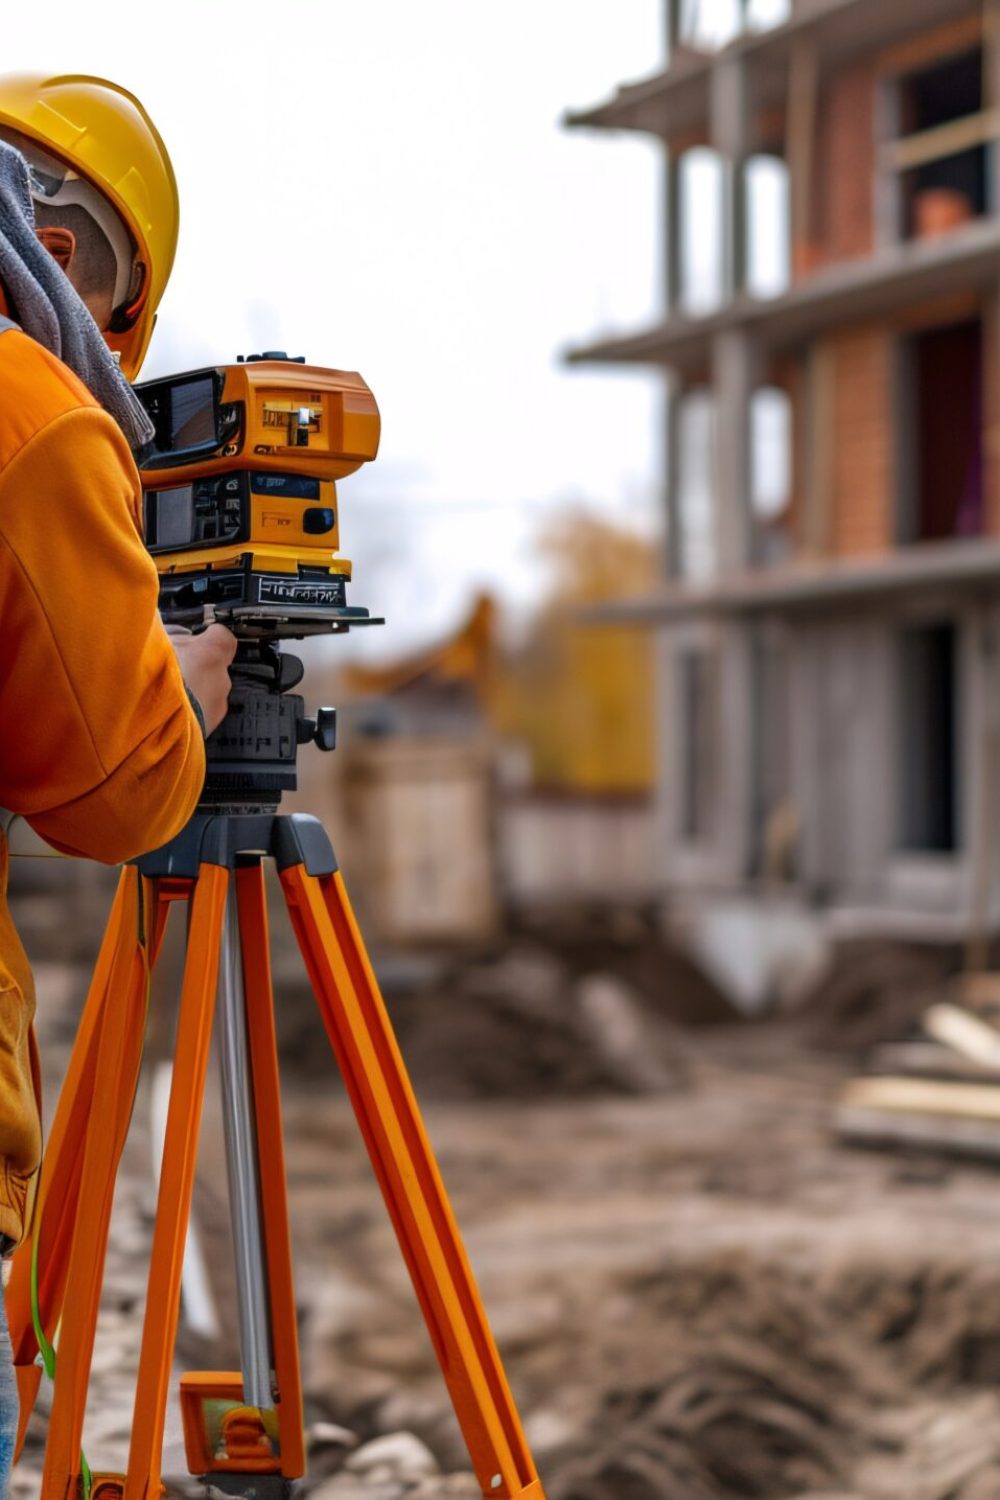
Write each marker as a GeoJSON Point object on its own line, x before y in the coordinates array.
{"type": "Point", "coordinates": [386, 187]}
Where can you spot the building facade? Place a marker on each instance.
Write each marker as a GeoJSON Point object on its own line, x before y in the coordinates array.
{"type": "Point", "coordinates": [830, 638]}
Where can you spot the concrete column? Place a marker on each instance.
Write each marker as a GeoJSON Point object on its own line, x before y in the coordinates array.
{"type": "Point", "coordinates": [730, 136]}
{"type": "Point", "coordinates": [672, 234]}
{"type": "Point", "coordinates": [888, 183]}
{"type": "Point", "coordinates": [735, 362]}
{"type": "Point", "coordinates": [734, 845]}
{"type": "Point", "coordinates": [673, 391]}
{"type": "Point", "coordinates": [672, 26]}
{"type": "Point", "coordinates": [735, 370]}
{"type": "Point", "coordinates": [735, 375]}
{"type": "Point", "coordinates": [991, 90]}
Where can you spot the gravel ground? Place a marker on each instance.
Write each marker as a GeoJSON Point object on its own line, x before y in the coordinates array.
{"type": "Point", "coordinates": [697, 1292]}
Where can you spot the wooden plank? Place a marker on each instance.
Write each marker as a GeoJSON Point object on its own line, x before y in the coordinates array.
{"type": "Point", "coordinates": [926, 1060]}
{"type": "Point", "coordinates": [973, 1101]}
{"type": "Point", "coordinates": [942, 140]}
{"type": "Point", "coordinates": [954, 1137]}
{"type": "Point", "coordinates": [966, 1034]}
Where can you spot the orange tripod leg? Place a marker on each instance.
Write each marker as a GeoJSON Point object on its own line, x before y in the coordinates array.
{"type": "Point", "coordinates": [59, 1187]}
{"type": "Point", "coordinates": [58, 1190]}
{"type": "Point", "coordinates": [362, 1038]}
{"type": "Point", "coordinates": [99, 1107]}
{"type": "Point", "coordinates": [180, 1149]}
{"type": "Point", "coordinates": [271, 1165]}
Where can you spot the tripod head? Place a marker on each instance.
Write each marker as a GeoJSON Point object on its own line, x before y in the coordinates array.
{"type": "Point", "coordinates": [252, 754]}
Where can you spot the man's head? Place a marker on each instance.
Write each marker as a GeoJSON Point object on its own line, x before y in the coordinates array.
{"type": "Point", "coordinates": [104, 195]}
{"type": "Point", "coordinates": [95, 249]}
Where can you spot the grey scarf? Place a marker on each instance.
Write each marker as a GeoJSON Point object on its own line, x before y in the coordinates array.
{"type": "Point", "coordinates": [47, 306]}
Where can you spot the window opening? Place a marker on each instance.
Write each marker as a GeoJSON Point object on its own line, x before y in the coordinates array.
{"type": "Point", "coordinates": [942, 433]}
{"type": "Point", "coordinates": [771, 473]}
{"type": "Point", "coordinates": [945, 174]}
{"type": "Point", "coordinates": [928, 723]}
{"type": "Point", "coordinates": [700, 232]}
{"type": "Point", "coordinates": [767, 228]}
{"type": "Point", "coordinates": [696, 551]}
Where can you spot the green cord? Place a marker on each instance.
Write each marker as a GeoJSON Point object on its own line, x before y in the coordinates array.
{"type": "Point", "coordinates": [48, 1353]}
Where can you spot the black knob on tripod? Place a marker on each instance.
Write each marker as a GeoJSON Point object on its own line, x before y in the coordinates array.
{"type": "Point", "coordinates": [322, 730]}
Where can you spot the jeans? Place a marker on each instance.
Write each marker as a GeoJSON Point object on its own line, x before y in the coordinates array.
{"type": "Point", "coordinates": [9, 1405]}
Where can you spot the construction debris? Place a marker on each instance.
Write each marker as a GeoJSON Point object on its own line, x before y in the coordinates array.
{"type": "Point", "coordinates": [967, 1034]}
{"type": "Point", "coordinates": [953, 1107]}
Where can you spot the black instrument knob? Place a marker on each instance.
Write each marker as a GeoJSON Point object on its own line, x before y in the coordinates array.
{"type": "Point", "coordinates": [321, 731]}
{"type": "Point", "coordinates": [325, 733]}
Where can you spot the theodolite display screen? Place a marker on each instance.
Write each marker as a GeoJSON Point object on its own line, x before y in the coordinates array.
{"type": "Point", "coordinates": [192, 413]}
{"type": "Point", "coordinates": [175, 516]}
{"type": "Point", "coordinates": [187, 417]}
{"type": "Point", "coordinates": [204, 513]}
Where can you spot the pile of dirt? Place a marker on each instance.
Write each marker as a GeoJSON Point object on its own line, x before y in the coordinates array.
{"type": "Point", "coordinates": [568, 1007]}
{"type": "Point", "coordinates": [875, 991]}
{"type": "Point", "coordinates": [630, 944]}
{"type": "Point", "coordinates": [521, 1026]}
{"type": "Point", "coordinates": [568, 1012]}
{"type": "Point", "coordinates": [765, 1383]}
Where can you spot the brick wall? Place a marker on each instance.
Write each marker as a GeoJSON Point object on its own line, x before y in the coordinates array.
{"type": "Point", "coordinates": [861, 484]}
{"type": "Point", "coordinates": [842, 190]}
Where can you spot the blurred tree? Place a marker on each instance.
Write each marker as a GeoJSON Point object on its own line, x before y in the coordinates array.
{"type": "Point", "coordinates": [579, 693]}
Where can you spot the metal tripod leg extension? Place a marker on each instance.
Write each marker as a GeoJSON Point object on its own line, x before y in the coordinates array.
{"type": "Point", "coordinates": [243, 1429]}
{"type": "Point", "coordinates": [241, 1167]}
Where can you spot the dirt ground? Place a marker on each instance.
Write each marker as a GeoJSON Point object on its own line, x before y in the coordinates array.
{"type": "Point", "coordinates": [698, 1293]}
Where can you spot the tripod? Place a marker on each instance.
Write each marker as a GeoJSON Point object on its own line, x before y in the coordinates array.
{"type": "Point", "coordinates": [243, 1430]}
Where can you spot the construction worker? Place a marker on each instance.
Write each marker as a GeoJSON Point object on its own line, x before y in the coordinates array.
{"type": "Point", "coordinates": [102, 714]}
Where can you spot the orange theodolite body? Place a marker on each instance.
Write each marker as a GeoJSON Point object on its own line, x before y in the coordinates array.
{"type": "Point", "coordinates": [241, 475]}
{"type": "Point", "coordinates": [274, 414]}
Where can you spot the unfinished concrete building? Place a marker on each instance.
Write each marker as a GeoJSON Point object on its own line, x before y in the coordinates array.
{"type": "Point", "coordinates": [831, 638]}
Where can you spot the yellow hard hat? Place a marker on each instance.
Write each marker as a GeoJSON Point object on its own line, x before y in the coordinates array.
{"type": "Point", "coordinates": [102, 132]}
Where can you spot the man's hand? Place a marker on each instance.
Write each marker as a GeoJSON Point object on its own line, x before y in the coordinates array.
{"type": "Point", "coordinates": [204, 661]}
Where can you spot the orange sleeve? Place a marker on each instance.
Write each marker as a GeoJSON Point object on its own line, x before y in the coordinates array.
{"type": "Point", "coordinates": [99, 747]}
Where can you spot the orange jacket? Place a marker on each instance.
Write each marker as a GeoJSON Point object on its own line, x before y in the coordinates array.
{"type": "Point", "coordinates": [99, 748]}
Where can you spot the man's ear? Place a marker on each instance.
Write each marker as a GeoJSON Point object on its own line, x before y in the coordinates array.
{"type": "Point", "coordinates": [60, 243]}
